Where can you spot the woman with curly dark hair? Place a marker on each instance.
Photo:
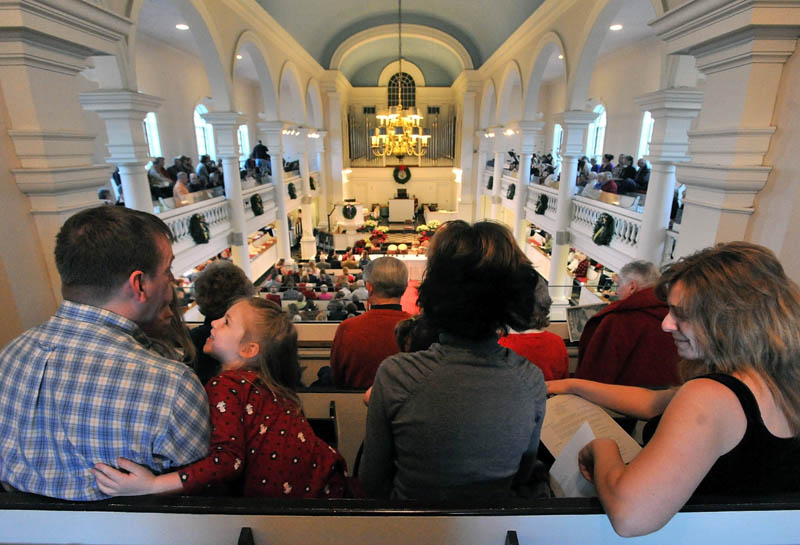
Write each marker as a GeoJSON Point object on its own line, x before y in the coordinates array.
{"type": "Point", "coordinates": [220, 283]}
{"type": "Point", "coordinates": [456, 420]}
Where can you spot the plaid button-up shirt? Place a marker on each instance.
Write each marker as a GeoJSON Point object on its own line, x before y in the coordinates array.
{"type": "Point", "coordinates": [83, 388]}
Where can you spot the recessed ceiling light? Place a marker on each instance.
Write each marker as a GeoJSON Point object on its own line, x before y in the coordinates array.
{"type": "Point", "coordinates": [238, 57]}
{"type": "Point", "coordinates": [561, 57]}
{"type": "Point", "coordinates": [615, 27]}
{"type": "Point", "coordinates": [182, 26]}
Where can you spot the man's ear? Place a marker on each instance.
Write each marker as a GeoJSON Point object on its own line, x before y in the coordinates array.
{"type": "Point", "coordinates": [248, 350]}
{"type": "Point", "coordinates": [369, 288]}
{"type": "Point", "coordinates": [135, 284]}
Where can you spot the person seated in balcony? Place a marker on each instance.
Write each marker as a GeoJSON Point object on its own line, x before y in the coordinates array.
{"type": "Point", "coordinates": [160, 182]}
{"type": "Point", "coordinates": [594, 167]}
{"type": "Point", "coordinates": [583, 171]}
{"type": "Point", "coordinates": [188, 168]}
{"type": "Point", "coordinates": [203, 172]}
{"type": "Point", "coordinates": [261, 444]}
{"type": "Point", "coordinates": [616, 173]}
{"type": "Point", "coordinates": [542, 348]}
{"type": "Point", "coordinates": [606, 183]}
{"type": "Point", "coordinates": [640, 180]}
{"type": "Point", "coordinates": [177, 166]}
{"type": "Point", "coordinates": [180, 191]}
{"type": "Point", "coordinates": [628, 171]}
{"type": "Point", "coordinates": [624, 343]}
{"type": "Point", "coordinates": [194, 183]}
{"type": "Point", "coordinates": [607, 163]}
{"type": "Point", "coordinates": [732, 428]}
{"type": "Point", "coordinates": [457, 420]}
{"type": "Point", "coordinates": [550, 179]}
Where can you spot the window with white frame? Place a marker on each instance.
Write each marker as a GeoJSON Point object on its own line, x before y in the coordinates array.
{"type": "Point", "coordinates": [204, 133]}
{"type": "Point", "coordinates": [647, 134]}
{"type": "Point", "coordinates": [558, 135]}
{"type": "Point", "coordinates": [151, 135]}
{"type": "Point", "coordinates": [243, 135]}
{"type": "Point", "coordinates": [402, 91]}
{"type": "Point", "coordinates": [596, 133]}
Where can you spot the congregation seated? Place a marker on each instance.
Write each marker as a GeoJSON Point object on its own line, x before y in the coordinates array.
{"type": "Point", "coordinates": [159, 180]}
{"type": "Point", "coordinates": [639, 181]}
{"type": "Point", "coordinates": [180, 190]}
{"type": "Point", "coordinates": [606, 164]}
{"type": "Point", "coordinates": [606, 183]}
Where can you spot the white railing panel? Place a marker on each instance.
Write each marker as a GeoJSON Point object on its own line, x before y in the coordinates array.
{"type": "Point", "coordinates": [546, 221]}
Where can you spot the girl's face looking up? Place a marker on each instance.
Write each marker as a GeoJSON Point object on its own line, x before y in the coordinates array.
{"type": "Point", "coordinates": [226, 341]}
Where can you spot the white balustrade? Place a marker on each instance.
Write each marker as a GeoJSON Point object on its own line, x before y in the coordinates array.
{"type": "Point", "coordinates": [546, 221]}
{"type": "Point", "coordinates": [586, 212]}
{"type": "Point", "coordinates": [216, 212]}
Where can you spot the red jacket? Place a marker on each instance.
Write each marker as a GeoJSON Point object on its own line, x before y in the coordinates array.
{"type": "Point", "coordinates": [361, 344]}
{"type": "Point", "coordinates": [624, 344]}
{"type": "Point", "coordinates": [546, 350]}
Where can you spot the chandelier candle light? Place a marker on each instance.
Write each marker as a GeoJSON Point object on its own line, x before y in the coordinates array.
{"type": "Point", "coordinates": [400, 133]}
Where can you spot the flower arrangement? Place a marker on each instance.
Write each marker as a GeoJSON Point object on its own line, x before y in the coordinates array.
{"type": "Point", "coordinates": [368, 226]}
{"type": "Point", "coordinates": [433, 225]}
{"type": "Point", "coordinates": [424, 228]}
{"type": "Point", "coordinates": [382, 228]}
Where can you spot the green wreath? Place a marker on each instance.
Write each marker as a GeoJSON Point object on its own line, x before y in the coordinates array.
{"type": "Point", "coordinates": [292, 191]}
{"type": "Point", "coordinates": [349, 211]}
{"type": "Point", "coordinates": [257, 204]}
{"type": "Point", "coordinates": [603, 230]}
{"type": "Point", "coordinates": [198, 228]}
{"type": "Point", "coordinates": [490, 185]}
{"type": "Point", "coordinates": [541, 204]}
{"type": "Point", "coordinates": [401, 174]}
{"type": "Point", "coordinates": [512, 189]}
{"type": "Point", "coordinates": [311, 183]}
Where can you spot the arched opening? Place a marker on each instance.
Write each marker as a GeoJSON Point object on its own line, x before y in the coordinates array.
{"type": "Point", "coordinates": [646, 135]}
{"type": "Point", "coordinates": [151, 136]}
{"type": "Point", "coordinates": [291, 105]}
{"type": "Point", "coordinates": [402, 91]}
{"type": "Point", "coordinates": [204, 134]}
{"type": "Point", "coordinates": [596, 136]}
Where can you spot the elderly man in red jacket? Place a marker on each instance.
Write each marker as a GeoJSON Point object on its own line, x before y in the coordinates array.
{"type": "Point", "coordinates": [624, 342]}
{"type": "Point", "coordinates": [363, 342]}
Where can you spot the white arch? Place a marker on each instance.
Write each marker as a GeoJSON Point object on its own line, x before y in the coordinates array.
{"type": "Point", "coordinates": [390, 31]}
{"type": "Point", "coordinates": [207, 40]}
{"type": "Point", "coordinates": [249, 43]}
{"type": "Point", "coordinates": [313, 105]}
{"type": "Point", "coordinates": [291, 106]}
{"type": "Point", "coordinates": [509, 103]}
{"type": "Point", "coordinates": [581, 75]}
{"type": "Point", "coordinates": [488, 105]}
{"type": "Point", "coordinates": [549, 45]}
{"type": "Point", "coordinates": [408, 67]}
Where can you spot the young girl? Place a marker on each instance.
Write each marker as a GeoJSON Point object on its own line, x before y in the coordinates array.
{"type": "Point", "coordinates": [260, 441]}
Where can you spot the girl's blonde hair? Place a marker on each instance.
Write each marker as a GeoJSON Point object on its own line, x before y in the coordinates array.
{"type": "Point", "coordinates": [276, 362]}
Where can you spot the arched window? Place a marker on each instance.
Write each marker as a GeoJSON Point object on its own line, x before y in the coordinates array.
{"type": "Point", "coordinates": [647, 134]}
{"type": "Point", "coordinates": [597, 133]}
{"type": "Point", "coordinates": [402, 90]}
{"type": "Point", "coordinates": [204, 133]}
{"type": "Point", "coordinates": [243, 135]}
{"type": "Point", "coordinates": [151, 135]}
{"type": "Point", "coordinates": [558, 135]}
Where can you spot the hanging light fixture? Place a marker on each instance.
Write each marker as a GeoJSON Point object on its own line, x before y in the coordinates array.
{"type": "Point", "coordinates": [399, 132]}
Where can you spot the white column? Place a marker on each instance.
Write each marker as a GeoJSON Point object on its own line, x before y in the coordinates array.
{"type": "Point", "coordinates": [468, 141]}
{"type": "Point", "coordinates": [335, 146]}
{"type": "Point", "coordinates": [673, 111]}
{"type": "Point", "coordinates": [480, 176]}
{"type": "Point", "coordinates": [225, 125]}
{"type": "Point", "coordinates": [308, 246]}
{"type": "Point", "coordinates": [530, 131]}
{"type": "Point", "coordinates": [574, 124]}
{"type": "Point", "coordinates": [324, 180]}
{"type": "Point", "coordinates": [123, 113]}
{"type": "Point", "coordinates": [497, 174]}
{"type": "Point", "coordinates": [741, 48]}
{"type": "Point", "coordinates": [271, 131]}
{"type": "Point", "coordinates": [43, 47]}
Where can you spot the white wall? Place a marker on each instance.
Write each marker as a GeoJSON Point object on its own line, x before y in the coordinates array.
{"type": "Point", "coordinates": [428, 185]}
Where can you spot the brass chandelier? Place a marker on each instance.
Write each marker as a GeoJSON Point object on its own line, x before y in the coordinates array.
{"type": "Point", "coordinates": [399, 132]}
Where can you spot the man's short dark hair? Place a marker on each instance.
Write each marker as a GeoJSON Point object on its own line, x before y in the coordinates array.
{"type": "Point", "coordinates": [97, 250]}
{"type": "Point", "coordinates": [220, 283]}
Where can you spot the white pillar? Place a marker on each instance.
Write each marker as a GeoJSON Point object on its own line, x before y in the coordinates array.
{"type": "Point", "coordinates": [324, 180]}
{"type": "Point", "coordinates": [480, 176]}
{"type": "Point", "coordinates": [530, 131]}
{"type": "Point", "coordinates": [225, 126]}
{"type": "Point", "coordinates": [497, 174]}
{"type": "Point", "coordinates": [308, 246]}
{"type": "Point", "coordinates": [52, 162]}
{"type": "Point", "coordinates": [123, 113]}
{"type": "Point", "coordinates": [271, 130]}
{"type": "Point", "coordinates": [741, 51]}
{"type": "Point", "coordinates": [574, 124]}
{"type": "Point", "coordinates": [468, 142]}
{"type": "Point", "coordinates": [673, 111]}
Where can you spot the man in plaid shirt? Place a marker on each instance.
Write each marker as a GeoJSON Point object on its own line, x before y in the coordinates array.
{"type": "Point", "coordinates": [84, 387]}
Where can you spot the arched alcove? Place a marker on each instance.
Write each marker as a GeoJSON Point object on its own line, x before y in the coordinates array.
{"type": "Point", "coordinates": [509, 104]}
{"type": "Point", "coordinates": [249, 46]}
{"type": "Point", "coordinates": [291, 103]}
{"type": "Point", "coordinates": [314, 115]}
{"type": "Point", "coordinates": [488, 105]}
{"type": "Point", "coordinates": [547, 63]}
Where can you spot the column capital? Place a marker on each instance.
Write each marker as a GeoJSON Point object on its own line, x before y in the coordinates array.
{"type": "Point", "coordinates": [111, 104]}
{"type": "Point", "coordinates": [220, 120]}
{"type": "Point", "coordinates": [575, 118]}
{"type": "Point", "coordinates": [273, 134]}
{"type": "Point", "coordinates": [574, 123]}
{"type": "Point", "coordinates": [672, 102]}
{"type": "Point", "coordinates": [529, 131]}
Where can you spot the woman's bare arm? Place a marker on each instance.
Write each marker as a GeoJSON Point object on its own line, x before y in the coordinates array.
{"type": "Point", "coordinates": [641, 403]}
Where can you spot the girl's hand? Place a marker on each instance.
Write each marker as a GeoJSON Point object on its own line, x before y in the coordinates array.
{"type": "Point", "coordinates": [138, 481]}
{"type": "Point", "coordinates": [560, 386]}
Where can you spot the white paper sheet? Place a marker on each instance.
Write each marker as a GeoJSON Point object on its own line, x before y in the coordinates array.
{"type": "Point", "coordinates": [565, 471]}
